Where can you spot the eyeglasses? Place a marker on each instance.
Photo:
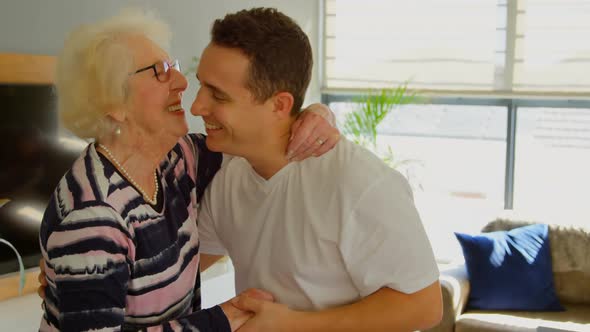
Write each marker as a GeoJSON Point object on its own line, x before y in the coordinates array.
{"type": "Point", "coordinates": [161, 69]}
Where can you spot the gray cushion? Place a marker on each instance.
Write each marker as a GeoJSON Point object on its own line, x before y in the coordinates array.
{"type": "Point", "coordinates": [576, 318]}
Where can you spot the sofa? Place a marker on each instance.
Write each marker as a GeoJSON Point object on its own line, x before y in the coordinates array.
{"type": "Point", "coordinates": [570, 256]}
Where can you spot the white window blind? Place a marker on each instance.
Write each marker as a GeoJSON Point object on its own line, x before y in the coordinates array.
{"type": "Point", "coordinates": [552, 47]}
{"type": "Point", "coordinates": [482, 46]}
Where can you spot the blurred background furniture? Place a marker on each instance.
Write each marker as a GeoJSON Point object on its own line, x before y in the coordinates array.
{"type": "Point", "coordinates": [570, 246]}
{"type": "Point", "coordinates": [34, 154]}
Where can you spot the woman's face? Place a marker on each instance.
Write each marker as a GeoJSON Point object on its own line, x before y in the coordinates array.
{"type": "Point", "coordinates": [154, 114]}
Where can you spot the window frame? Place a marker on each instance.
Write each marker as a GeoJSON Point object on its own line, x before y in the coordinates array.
{"type": "Point", "coordinates": [506, 98]}
{"type": "Point", "coordinates": [511, 104]}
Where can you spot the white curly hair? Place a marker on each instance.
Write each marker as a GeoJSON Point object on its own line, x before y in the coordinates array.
{"type": "Point", "coordinates": [94, 66]}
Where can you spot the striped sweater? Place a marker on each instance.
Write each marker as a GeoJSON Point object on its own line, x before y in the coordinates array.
{"type": "Point", "coordinates": [116, 263]}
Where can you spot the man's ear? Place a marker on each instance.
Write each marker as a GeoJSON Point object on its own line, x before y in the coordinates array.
{"type": "Point", "coordinates": [283, 103]}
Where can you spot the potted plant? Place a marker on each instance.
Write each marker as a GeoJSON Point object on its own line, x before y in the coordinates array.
{"type": "Point", "coordinates": [360, 125]}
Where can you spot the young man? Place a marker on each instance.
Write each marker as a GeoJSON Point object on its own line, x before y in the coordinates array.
{"type": "Point", "coordinates": [336, 239]}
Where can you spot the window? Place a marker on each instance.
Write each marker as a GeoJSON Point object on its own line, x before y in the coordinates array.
{"type": "Point", "coordinates": [483, 47]}
{"type": "Point", "coordinates": [434, 44]}
{"type": "Point", "coordinates": [551, 52]}
{"type": "Point", "coordinates": [435, 145]}
{"type": "Point", "coordinates": [553, 159]}
{"type": "Point", "coordinates": [507, 122]}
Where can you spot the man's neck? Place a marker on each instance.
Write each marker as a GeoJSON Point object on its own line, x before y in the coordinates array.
{"type": "Point", "coordinates": [271, 156]}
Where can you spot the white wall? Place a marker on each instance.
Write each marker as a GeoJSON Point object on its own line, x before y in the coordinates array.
{"type": "Point", "coordinates": [40, 26]}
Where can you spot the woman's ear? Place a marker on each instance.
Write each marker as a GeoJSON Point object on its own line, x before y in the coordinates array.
{"type": "Point", "coordinates": [283, 103]}
{"type": "Point", "coordinates": [117, 114]}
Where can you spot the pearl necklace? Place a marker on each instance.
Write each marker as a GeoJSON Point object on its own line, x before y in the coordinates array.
{"type": "Point", "coordinates": [154, 199]}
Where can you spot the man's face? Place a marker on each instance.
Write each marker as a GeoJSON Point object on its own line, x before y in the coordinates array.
{"type": "Point", "coordinates": [235, 122]}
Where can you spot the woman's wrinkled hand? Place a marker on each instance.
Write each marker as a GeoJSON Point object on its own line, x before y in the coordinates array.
{"type": "Point", "coordinates": [313, 133]}
{"type": "Point", "coordinates": [267, 316]}
{"type": "Point", "coordinates": [238, 317]}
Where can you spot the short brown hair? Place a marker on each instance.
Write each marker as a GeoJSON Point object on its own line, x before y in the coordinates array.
{"type": "Point", "coordinates": [279, 51]}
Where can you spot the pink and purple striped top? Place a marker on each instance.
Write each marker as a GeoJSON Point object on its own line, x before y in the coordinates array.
{"type": "Point", "coordinates": [116, 263]}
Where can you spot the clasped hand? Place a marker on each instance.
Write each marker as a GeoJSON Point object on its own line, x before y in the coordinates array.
{"type": "Point", "coordinates": [254, 310]}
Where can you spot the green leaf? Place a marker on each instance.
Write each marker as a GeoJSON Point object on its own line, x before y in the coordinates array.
{"type": "Point", "coordinates": [360, 125]}
{"type": "Point", "coordinates": [372, 109]}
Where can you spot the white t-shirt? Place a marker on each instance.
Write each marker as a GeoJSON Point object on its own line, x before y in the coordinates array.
{"type": "Point", "coordinates": [320, 233]}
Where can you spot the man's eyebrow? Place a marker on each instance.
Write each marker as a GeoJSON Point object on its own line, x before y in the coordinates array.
{"type": "Point", "coordinates": [212, 87]}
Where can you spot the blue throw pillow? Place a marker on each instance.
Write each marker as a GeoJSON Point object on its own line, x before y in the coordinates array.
{"type": "Point", "coordinates": [510, 270]}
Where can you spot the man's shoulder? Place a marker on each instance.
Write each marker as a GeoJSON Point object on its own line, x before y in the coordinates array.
{"type": "Point", "coordinates": [351, 161]}
{"type": "Point", "coordinates": [351, 170]}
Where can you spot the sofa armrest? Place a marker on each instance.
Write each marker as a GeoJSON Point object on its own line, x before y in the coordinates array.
{"type": "Point", "coordinates": [455, 292]}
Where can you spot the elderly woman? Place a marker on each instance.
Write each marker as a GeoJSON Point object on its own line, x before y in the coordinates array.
{"type": "Point", "coordinates": [119, 237]}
